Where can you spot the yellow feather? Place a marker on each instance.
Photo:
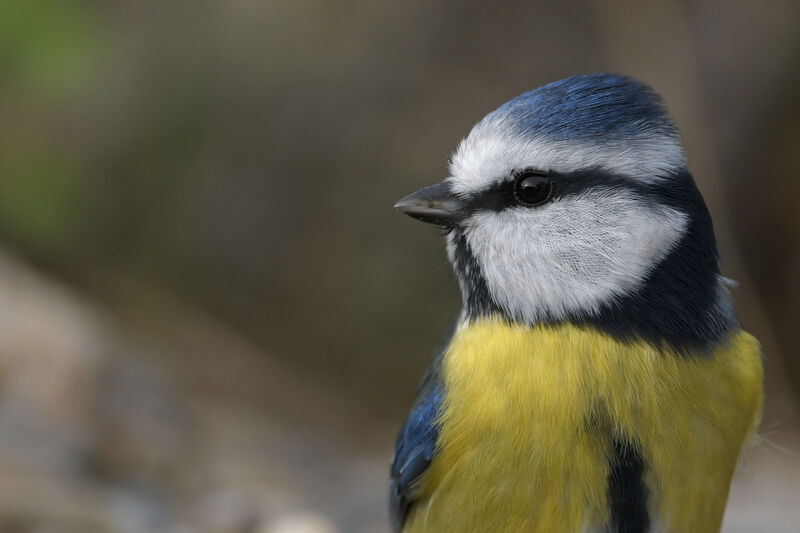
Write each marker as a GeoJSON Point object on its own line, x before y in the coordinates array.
{"type": "Point", "coordinates": [525, 423]}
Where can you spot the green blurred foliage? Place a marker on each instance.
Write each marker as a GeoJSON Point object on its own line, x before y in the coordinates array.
{"type": "Point", "coordinates": [50, 52]}
{"type": "Point", "coordinates": [47, 45]}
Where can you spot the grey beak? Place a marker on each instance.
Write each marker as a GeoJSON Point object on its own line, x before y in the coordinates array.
{"type": "Point", "coordinates": [435, 204]}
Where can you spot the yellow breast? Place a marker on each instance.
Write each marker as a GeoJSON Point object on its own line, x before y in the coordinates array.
{"type": "Point", "coordinates": [528, 415]}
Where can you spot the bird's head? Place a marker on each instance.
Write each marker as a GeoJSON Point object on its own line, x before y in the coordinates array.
{"type": "Point", "coordinates": [573, 202]}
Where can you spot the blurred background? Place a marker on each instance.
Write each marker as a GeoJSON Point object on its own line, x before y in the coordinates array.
{"type": "Point", "coordinates": [211, 319]}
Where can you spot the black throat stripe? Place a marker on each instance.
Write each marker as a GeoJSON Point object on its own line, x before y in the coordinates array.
{"type": "Point", "coordinates": [627, 493]}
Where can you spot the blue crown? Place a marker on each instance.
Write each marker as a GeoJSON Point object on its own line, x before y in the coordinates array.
{"type": "Point", "coordinates": [590, 106]}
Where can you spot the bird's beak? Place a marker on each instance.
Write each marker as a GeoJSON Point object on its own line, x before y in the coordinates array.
{"type": "Point", "coordinates": [435, 204]}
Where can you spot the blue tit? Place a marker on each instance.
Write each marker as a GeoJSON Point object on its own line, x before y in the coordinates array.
{"type": "Point", "coordinates": [597, 378]}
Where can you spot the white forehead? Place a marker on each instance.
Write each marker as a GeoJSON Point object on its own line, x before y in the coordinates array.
{"type": "Point", "coordinates": [494, 150]}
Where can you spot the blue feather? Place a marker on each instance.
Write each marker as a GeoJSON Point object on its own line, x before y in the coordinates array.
{"type": "Point", "coordinates": [414, 451]}
{"type": "Point", "coordinates": [592, 106]}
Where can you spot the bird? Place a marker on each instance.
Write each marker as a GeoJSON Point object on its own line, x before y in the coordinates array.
{"type": "Point", "coordinates": [597, 378]}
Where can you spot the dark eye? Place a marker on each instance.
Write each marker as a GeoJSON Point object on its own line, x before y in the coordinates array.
{"type": "Point", "coordinates": [532, 189]}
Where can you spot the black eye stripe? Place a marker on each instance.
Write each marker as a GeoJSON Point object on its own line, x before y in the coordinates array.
{"type": "Point", "coordinates": [496, 198]}
{"type": "Point", "coordinates": [500, 196]}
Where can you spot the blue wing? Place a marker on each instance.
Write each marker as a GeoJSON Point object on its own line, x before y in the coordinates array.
{"type": "Point", "coordinates": [414, 452]}
{"type": "Point", "coordinates": [416, 442]}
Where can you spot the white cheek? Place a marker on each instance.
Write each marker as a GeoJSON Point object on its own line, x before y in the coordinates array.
{"type": "Point", "coordinates": [571, 255]}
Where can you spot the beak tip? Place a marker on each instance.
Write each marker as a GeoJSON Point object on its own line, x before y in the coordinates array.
{"type": "Point", "coordinates": [405, 203]}
{"type": "Point", "coordinates": [434, 204]}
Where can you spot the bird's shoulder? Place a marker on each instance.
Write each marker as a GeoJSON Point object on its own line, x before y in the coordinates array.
{"type": "Point", "coordinates": [415, 446]}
